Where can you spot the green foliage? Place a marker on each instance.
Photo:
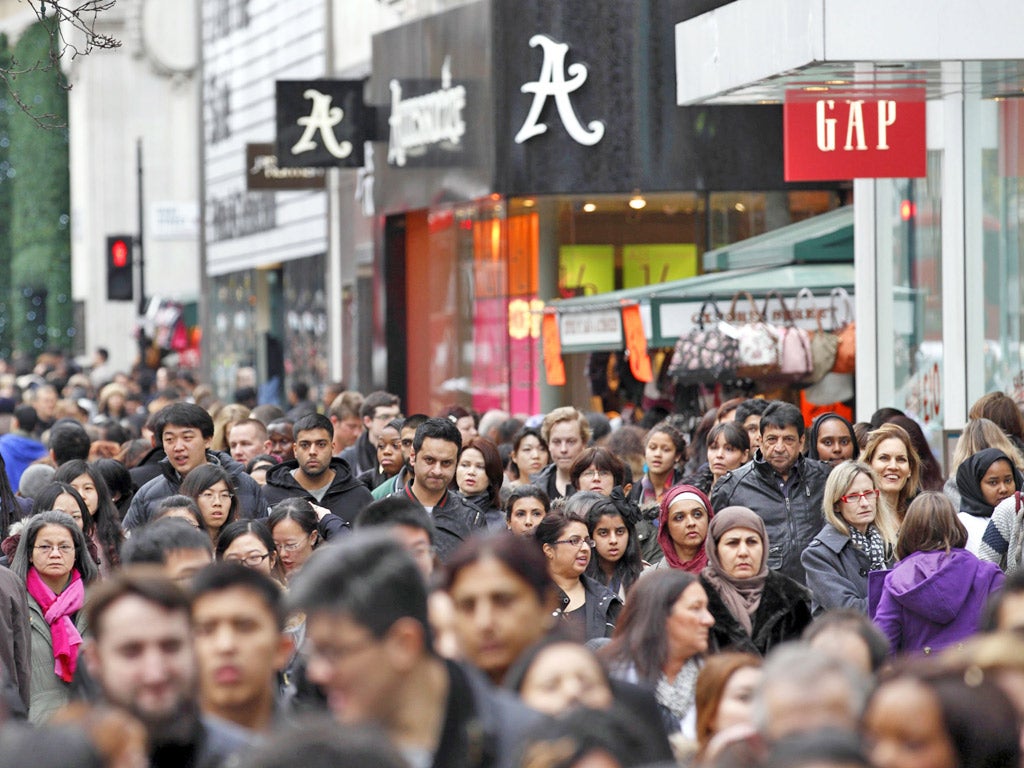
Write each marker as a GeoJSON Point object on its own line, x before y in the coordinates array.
{"type": "Point", "coordinates": [40, 232]}
{"type": "Point", "coordinates": [6, 295]}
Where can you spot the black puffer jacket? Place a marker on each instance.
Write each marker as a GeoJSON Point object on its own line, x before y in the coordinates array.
{"type": "Point", "coordinates": [345, 496]}
{"type": "Point", "coordinates": [790, 522]}
{"type": "Point", "coordinates": [784, 612]}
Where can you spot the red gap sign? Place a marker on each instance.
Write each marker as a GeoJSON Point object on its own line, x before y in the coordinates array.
{"type": "Point", "coordinates": [849, 134]}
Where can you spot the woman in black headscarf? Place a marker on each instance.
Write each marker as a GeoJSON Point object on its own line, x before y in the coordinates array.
{"type": "Point", "coordinates": [984, 479]}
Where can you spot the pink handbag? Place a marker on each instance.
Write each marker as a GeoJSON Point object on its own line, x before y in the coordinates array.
{"type": "Point", "coordinates": [794, 343]}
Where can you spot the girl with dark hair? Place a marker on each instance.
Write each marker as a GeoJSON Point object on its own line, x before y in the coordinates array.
{"type": "Point", "coordinates": [180, 507]}
{"type": "Point", "coordinates": [933, 597]}
{"type": "Point", "coordinates": [529, 455]}
{"type": "Point", "coordinates": [831, 439]}
{"type": "Point", "coordinates": [728, 448]}
{"type": "Point", "coordinates": [295, 526]}
{"type": "Point", "coordinates": [660, 641]}
{"type": "Point", "coordinates": [119, 483]}
{"type": "Point", "coordinates": [598, 469]}
{"type": "Point", "coordinates": [257, 467]}
{"type": "Point", "coordinates": [250, 543]}
{"type": "Point", "coordinates": [89, 482]}
{"type": "Point", "coordinates": [664, 448]}
{"type": "Point", "coordinates": [478, 476]}
{"type": "Point", "coordinates": [214, 491]}
{"type": "Point", "coordinates": [961, 719]}
{"type": "Point", "coordinates": [525, 507]}
{"type": "Point", "coordinates": [587, 607]}
{"type": "Point", "coordinates": [55, 565]}
{"type": "Point", "coordinates": [616, 560]}
{"type": "Point", "coordinates": [503, 600]}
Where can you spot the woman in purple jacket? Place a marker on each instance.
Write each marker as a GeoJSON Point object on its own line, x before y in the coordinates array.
{"type": "Point", "coordinates": [934, 596]}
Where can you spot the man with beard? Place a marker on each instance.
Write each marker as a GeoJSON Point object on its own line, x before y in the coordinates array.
{"type": "Point", "coordinates": [142, 657]}
{"type": "Point", "coordinates": [315, 475]}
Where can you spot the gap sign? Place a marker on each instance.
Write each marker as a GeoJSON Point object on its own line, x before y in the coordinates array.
{"type": "Point", "coordinates": [849, 134]}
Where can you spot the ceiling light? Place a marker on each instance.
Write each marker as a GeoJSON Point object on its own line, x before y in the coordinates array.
{"type": "Point", "coordinates": [740, 207]}
{"type": "Point", "coordinates": [637, 202]}
{"type": "Point", "coordinates": [589, 207]}
{"type": "Point", "coordinates": [529, 202]}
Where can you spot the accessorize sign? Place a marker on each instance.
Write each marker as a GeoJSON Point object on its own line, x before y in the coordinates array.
{"type": "Point", "coordinates": [854, 133]}
{"type": "Point", "coordinates": [321, 123]}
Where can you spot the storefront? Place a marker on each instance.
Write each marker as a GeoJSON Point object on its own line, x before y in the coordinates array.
{"type": "Point", "coordinates": [939, 276]}
{"type": "Point", "coordinates": [535, 151]}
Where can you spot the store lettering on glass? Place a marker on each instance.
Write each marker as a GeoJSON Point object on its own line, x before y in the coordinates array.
{"type": "Point", "coordinates": [217, 106]}
{"type": "Point", "coordinates": [433, 119]}
{"type": "Point", "coordinates": [553, 83]}
{"type": "Point", "coordinates": [227, 16]}
{"type": "Point", "coordinates": [826, 126]}
{"type": "Point", "coordinates": [240, 214]}
{"type": "Point", "coordinates": [322, 119]}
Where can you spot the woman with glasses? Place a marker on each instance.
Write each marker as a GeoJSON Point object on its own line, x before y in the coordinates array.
{"type": "Point", "coordinates": [587, 607]}
{"type": "Point", "coordinates": [859, 536]}
{"type": "Point", "coordinates": [294, 525]}
{"type": "Point", "coordinates": [600, 470]}
{"type": "Point", "coordinates": [214, 491]}
{"type": "Point", "coordinates": [250, 543]}
{"type": "Point", "coordinates": [54, 564]}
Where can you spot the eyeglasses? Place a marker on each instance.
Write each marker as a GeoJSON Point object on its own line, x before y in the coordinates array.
{"type": "Point", "coordinates": [252, 560]}
{"type": "Point", "coordinates": [853, 498]}
{"type": "Point", "coordinates": [597, 474]}
{"type": "Point", "coordinates": [62, 548]}
{"type": "Point", "coordinates": [291, 546]}
{"type": "Point", "coordinates": [576, 542]}
{"type": "Point", "coordinates": [225, 496]}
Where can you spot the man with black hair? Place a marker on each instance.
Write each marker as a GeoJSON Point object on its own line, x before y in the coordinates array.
{"type": "Point", "coordinates": [410, 524]}
{"type": "Point", "coordinates": [370, 649]}
{"type": "Point", "coordinates": [314, 474]}
{"type": "Point", "coordinates": [185, 432]}
{"type": "Point", "coordinates": [782, 486]}
{"type": "Point", "coordinates": [18, 448]}
{"type": "Point", "coordinates": [180, 549]}
{"type": "Point", "coordinates": [140, 652]}
{"type": "Point", "coordinates": [149, 465]}
{"type": "Point", "coordinates": [378, 409]}
{"type": "Point", "coordinates": [748, 415]}
{"type": "Point", "coordinates": [68, 441]}
{"type": "Point", "coordinates": [435, 452]}
{"type": "Point", "coordinates": [238, 619]}
{"type": "Point", "coordinates": [280, 439]}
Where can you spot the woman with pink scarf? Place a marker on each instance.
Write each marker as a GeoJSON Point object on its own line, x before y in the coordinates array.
{"type": "Point", "coordinates": [54, 562]}
{"type": "Point", "coordinates": [682, 528]}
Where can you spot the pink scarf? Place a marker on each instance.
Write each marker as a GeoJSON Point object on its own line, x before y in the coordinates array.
{"type": "Point", "coordinates": [698, 561]}
{"type": "Point", "coordinates": [57, 610]}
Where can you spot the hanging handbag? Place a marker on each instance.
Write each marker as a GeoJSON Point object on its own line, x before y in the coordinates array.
{"type": "Point", "coordinates": [706, 353]}
{"type": "Point", "coordinates": [846, 350]}
{"type": "Point", "coordinates": [823, 344]}
{"type": "Point", "coordinates": [794, 343]}
{"type": "Point", "coordinates": [758, 342]}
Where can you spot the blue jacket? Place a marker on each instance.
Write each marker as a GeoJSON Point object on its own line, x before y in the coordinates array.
{"type": "Point", "coordinates": [18, 452]}
{"type": "Point", "coordinates": [837, 572]}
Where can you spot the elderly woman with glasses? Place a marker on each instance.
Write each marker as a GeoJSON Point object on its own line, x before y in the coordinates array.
{"type": "Point", "coordinates": [587, 607]}
{"type": "Point", "coordinates": [859, 536]}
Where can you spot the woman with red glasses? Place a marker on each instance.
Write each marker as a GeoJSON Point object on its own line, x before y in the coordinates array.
{"type": "Point", "coordinates": [859, 536]}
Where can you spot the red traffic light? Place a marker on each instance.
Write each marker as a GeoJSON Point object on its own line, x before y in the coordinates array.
{"type": "Point", "coordinates": [119, 253]}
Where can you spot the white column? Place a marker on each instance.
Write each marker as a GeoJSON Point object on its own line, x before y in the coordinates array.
{"type": "Point", "coordinates": [868, 308]}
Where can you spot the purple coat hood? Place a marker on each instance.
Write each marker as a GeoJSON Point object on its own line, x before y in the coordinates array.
{"type": "Point", "coordinates": [933, 599]}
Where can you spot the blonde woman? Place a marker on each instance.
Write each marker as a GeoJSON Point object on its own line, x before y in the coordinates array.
{"type": "Point", "coordinates": [891, 454]}
{"type": "Point", "coordinates": [859, 536]}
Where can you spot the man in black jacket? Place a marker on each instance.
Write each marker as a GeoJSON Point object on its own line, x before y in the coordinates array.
{"type": "Point", "coordinates": [315, 475]}
{"type": "Point", "coordinates": [377, 410]}
{"type": "Point", "coordinates": [370, 649]}
{"type": "Point", "coordinates": [782, 486]}
{"type": "Point", "coordinates": [185, 431]}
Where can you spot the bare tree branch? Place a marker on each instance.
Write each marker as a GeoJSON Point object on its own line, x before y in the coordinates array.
{"type": "Point", "coordinates": [80, 18]}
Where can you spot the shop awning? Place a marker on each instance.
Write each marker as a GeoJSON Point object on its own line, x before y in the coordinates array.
{"type": "Point", "coordinates": [594, 323]}
{"type": "Point", "coordinates": [824, 238]}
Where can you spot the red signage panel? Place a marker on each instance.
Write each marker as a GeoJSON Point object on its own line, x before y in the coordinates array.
{"type": "Point", "coordinates": [849, 134]}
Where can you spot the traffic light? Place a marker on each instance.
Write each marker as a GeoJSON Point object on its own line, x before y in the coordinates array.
{"type": "Point", "coordinates": [120, 268]}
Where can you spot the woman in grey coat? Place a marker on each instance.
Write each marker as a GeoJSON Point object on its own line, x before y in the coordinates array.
{"type": "Point", "coordinates": [858, 537]}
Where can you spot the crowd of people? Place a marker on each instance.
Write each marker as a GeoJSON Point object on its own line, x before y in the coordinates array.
{"type": "Point", "coordinates": [190, 582]}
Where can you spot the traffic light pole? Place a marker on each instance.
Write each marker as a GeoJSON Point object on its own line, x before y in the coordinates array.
{"type": "Point", "coordinates": [140, 255]}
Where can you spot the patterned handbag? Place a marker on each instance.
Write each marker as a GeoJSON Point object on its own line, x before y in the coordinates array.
{"type": "Point", "coordinates": [707, 353]}
{"type": "Point", "coordinates": [758, 342]}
